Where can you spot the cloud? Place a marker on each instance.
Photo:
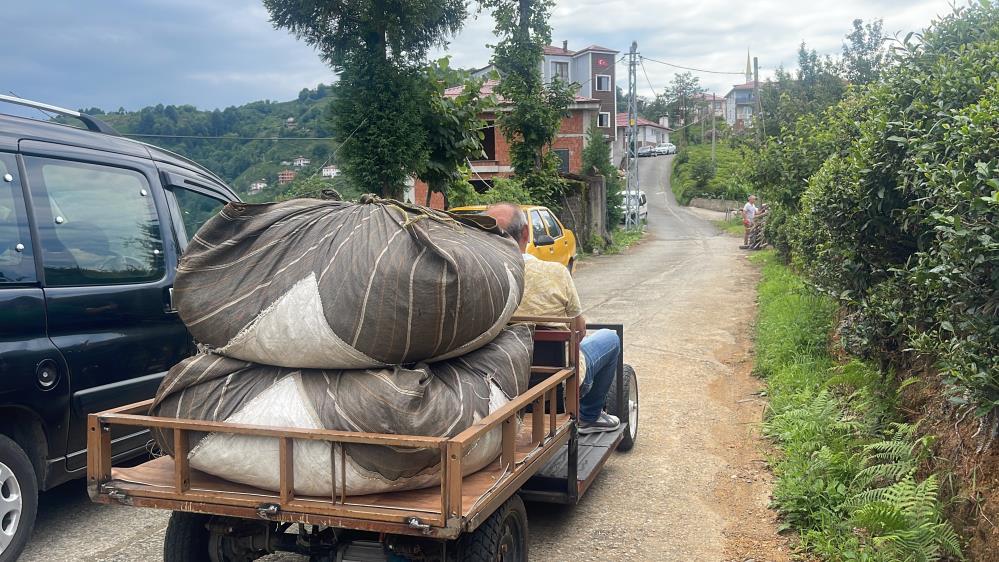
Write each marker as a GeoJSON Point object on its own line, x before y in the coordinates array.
{"type": "Point", "coordinates": [134, 53]}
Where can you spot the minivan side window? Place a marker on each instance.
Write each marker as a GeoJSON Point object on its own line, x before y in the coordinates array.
{"type": "Point", "coordinates": [17, 264]}
{"type": "Point", "coordinates": [195, 208]}
{"type": "Point", "coordinates": [553, 228]}
{"type": "Point", "coordinates": [97, 225]}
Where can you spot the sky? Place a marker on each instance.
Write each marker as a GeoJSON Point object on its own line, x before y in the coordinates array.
{"type": "Point", "coordinates": [134, 53]}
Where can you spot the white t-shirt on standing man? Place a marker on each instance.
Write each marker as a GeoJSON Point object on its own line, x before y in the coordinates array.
{"type": "Point", "coordinates": [750, 211]}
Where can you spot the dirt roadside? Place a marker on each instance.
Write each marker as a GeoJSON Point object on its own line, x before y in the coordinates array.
{"type": "Point", "coordinates": [696, 486]}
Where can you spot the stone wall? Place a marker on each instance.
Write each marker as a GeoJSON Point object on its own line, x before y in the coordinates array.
{"type": "Point", "coordinates": [723, 205]}
{"type": "Point", "coordinates": [584, 209]}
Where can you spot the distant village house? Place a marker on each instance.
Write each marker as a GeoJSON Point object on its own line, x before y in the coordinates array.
{"type": "Point", "coordinates": [258, 186]}
{"type": "Point", "coordinates": [330, 171]}
{"type": "Point", "coordinates": [301, 162]}
{"type": "Point", "coordinates": [286, 176]}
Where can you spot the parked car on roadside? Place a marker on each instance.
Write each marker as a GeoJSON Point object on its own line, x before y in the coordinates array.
{"type": "Point", "coordinates": [639, 206]}
{"type": "Point", "coordinates": [550, 240]}
{"type": "Point", "coordinates": [91, 227]}
{"type": "Point", "coordinates": [665, 148]}
{"type": "Point", "coordinates": [646, 151]}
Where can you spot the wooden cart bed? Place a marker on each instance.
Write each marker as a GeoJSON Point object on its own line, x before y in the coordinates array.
{"type": "Point", "coordinates": [157, 475]}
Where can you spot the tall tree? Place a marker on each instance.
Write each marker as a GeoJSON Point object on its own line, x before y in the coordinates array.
{"type": "Point", "coordinates": [864, 52]}
{"type": "Point", "coordinates": [681, 100]}
{"type": "Point", "coordinates": [379, 47]}
{"type": "Point", "coordinates": [537, 109]}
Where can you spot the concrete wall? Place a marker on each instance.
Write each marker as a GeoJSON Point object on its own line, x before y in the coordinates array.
{"type": "Point", "coordinates": [584, 210]}
{"type": "Point", "coordinates": [716, 204]}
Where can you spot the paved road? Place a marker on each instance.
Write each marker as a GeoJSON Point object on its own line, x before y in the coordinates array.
{"type": "Point", "coordinates": [686, 297]}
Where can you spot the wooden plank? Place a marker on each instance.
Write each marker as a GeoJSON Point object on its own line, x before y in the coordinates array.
{"type": "Point", "coordinates": [98, 454]}
{"type": "Point", "coordinates": [396, 528]}
{"type": "Point", "coordinates": [542, 319]}
{"type": "Point", "coordinates": [538, 420]}
{"type": "Point", "coordinates": [410, 441]}
{"type": "Point", "coordinates": [552, 410]}
{"type": "Point", "coordinates": [509, 442]}
{"type": "Point", "coordinates": [454, 480]}
{"type": "Point", "coordinates": [511, 408]}
{"type": "Point", "coordinates": [286, 462]}
{"type": "Point", "coordinates": [181, 465]}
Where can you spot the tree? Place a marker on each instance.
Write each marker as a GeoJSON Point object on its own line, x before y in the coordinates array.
{"type": "Point", "coordinates": [680, 99]}
{"type": "Point", "coordinates": [537, 109]}
{"type": "Point", "coordinates": [378, 47]}
{"type": "Point", "coordinates": [597, 159]}
{"type": "Point", "coordinates": [864, 54]}
{"type": "Point", "coordinates": [453, 126]}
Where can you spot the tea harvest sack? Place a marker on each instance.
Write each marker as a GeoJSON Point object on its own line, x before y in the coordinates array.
{"type": "Point", "coordinates": [336, 285]}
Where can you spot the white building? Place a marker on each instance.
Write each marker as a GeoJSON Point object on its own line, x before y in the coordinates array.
{"type": "Point", "coordinates": [258, 186]}
{"type": "Point", "coordinates": [301, 162]}
{"type": "Point", "coordinates": [650, 133]}
{"type": "Point", "coordinates": [330, 171]}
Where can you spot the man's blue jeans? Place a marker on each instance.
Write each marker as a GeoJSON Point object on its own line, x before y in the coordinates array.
{"type": "Point", "coordinates": [600, 350]}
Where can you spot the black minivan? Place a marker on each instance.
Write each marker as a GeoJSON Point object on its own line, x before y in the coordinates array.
{"type": "Point", "coordinates": [91, 227]}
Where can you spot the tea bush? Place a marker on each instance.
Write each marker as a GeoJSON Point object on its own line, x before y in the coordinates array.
{"type": "Point", "coordinates": [890, 203]}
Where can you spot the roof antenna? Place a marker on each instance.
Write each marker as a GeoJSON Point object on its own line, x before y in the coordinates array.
{"type": "Point", "coordinates": [565, 46]}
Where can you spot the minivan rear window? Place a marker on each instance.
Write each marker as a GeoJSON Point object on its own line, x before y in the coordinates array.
{"type": "Point", "coordinates": [96, 224]}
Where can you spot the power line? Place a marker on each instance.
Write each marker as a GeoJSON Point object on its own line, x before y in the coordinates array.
{"type": "Point", "coordinates": [692, 68]}
{"type": "Point", "coordinates": [211, 137]}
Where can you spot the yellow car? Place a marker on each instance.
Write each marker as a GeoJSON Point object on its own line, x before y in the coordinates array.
{"type": "Point", "coordinates": [550, 241]}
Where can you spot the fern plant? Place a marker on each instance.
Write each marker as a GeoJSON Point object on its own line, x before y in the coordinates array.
{"type": "Point", "coordinates": [904, 521]}
{"type": "Point", "coordinates": [893, 458]}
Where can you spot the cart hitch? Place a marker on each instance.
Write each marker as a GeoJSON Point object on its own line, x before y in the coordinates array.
{"type": "Point", "coordinates": [268, 510]}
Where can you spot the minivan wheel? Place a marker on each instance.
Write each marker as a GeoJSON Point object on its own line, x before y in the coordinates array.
{"type": "Point", "coordinates": [18, 499]}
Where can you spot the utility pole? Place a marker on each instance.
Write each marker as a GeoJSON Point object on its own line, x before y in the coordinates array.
{"type": "Point", "coordinates": [712, 130]}
{"type": "Point", "coordinates": [631, 218]}
{"type": "Point", "coordinates": [756, 94]}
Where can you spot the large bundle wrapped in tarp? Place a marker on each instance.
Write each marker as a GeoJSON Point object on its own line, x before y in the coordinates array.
{"type": "Point", "coordinates": [441, 399]}
{"type": "Point", "coordinates": [335, 285]}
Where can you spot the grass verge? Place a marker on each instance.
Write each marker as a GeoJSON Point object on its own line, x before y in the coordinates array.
{"type": "Point", "coordinates": [845, 466]}
{"type": "Point", "coordinates": [731, 226]}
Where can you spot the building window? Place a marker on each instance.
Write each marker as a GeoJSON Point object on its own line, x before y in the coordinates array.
{"type": "Point", "coordinates": [603, 119]}
{"type": "Point", "coordinates": [489, 140]}
{"type": "Point", "coordinates": [563, 154]}
{"type": "Point", "coordinates": [603, 83]}
{"type": "Point", "coordinates": [561, 70]}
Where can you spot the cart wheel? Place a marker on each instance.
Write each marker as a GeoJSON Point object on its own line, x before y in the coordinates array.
{"type": "Point", "coordinates": [501, 538]}
{"type": "Point", "coordinates": [630, 416]}
{"type": "Point", "coordinates": [18, 499]}
{"type": "Point", "coordinates": [187, 538]}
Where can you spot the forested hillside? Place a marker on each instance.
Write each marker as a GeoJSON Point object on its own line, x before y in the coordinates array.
{"type": "Point", "coordinates": [238, 160]}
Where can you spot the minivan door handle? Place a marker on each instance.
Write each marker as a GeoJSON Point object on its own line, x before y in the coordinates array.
{"type": "Point", "coordinates": [168, 301]}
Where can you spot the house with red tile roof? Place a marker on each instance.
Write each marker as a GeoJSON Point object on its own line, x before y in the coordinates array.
{"type": "Point", "coordinates": [594, 105]}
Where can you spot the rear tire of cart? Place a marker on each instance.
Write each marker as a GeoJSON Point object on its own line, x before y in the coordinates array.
{"type": "Point", "coordinates": [630, 414]}
{"type": "Point", "coordinates": [503, 537]}
{"type": "Point", "coordinates": [187, 538]}
{"type": "Point", "coordinates": [18, 499]}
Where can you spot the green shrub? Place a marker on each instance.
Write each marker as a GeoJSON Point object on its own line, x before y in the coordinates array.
{"type": "Point", "coordinates": [694, 175]}
{"type": "Point", "coordinates": [888, 201]}
{"type": "Point", "coordinates": [507, 190]}
{"type": "Point", "coordinates": [844, 471]}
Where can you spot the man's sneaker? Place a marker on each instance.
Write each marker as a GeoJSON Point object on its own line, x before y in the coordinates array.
{"type": "Point", "coordinates": [604, 422]}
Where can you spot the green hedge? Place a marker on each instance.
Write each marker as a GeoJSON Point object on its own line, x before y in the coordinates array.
{"type": "Point", "coordinates": [891, 205]}
{"type": "Point", "coordinates": [694, 176]}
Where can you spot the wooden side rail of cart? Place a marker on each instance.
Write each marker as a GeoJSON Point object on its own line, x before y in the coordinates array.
{"type": "Point", "coordinates": [458, 504]}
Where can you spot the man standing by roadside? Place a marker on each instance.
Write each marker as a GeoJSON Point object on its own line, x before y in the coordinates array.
{"type": "Point", "coordinates": [550, 291]}
{"type": "Point", "coordinates": [748, 216]}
